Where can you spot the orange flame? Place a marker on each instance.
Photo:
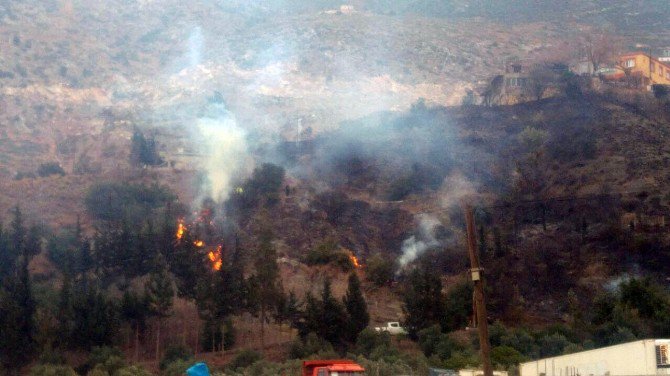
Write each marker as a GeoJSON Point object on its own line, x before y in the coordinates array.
{"type": "Point", "coordinates": [354, 261]}
{"type": "Point", "coordinates": [215, 258]}
{"type": "Point", "coordinates": [180, 229]}
{"type": "Point", "coordinates": [199, 243]}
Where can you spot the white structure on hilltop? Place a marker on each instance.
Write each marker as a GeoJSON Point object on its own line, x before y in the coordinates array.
{"type": "Point", "coordinates": [644, 357]}
{"type": "Point", "coordinates": [665, 55]}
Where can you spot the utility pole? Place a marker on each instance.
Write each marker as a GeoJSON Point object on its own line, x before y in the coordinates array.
{"type": "Point", "coordinates": [480, 304]}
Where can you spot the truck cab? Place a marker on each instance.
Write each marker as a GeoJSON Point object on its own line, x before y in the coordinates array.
{"type": "Point", "coordinates": [336, 367]}
{"type": "Point", "coordinates": [392, 327]}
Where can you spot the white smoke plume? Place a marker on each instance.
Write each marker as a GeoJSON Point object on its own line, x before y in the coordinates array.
{"type": "Point", "coordinates": [423, 240]}
{"type": "Point", "coordinates": [195, 47]}
{"type": "Point", "coordinates": [227, 158]}
{"type": "Point", "coordinates": [455, 189]}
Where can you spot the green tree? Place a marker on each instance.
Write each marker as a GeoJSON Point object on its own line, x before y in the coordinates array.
{"type": "Point", "coordinates": [7, 256]}
{"type": "Point", "coordinates": [135, 310]}
{"type": "Point", "coordinates": [143, 151]}
{"type": "Point", "coordinates": [458, 306]}
{"type": "Point", "coordinates": [18, 239]}
{"type": "Point", "coordinates": [266, 280]}
{"type": "Point", "coordinates": [160, 293]}
{"type": "Point", "coordinates": [356, 308]}
{"type": "Point", "coordinates": [333, 316]}
{"type": "Point", "coordinates": [188, 264]}
{"type": "Point", "coordinates": [17, 309]}
{"type": "Point", "coordinates": [423, 301]}
{"type": "Point", "coordinates": [95, 318]}
{"type": "Point", "coordinates": [380, 270]}
{"type": "Point", "coordinates": [65, 313]}
{"type": "Point", "coordinates": [506, 356]}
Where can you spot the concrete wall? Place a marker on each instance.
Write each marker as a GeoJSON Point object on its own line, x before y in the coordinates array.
{"type": "Point", "coordinates": [630, 359]}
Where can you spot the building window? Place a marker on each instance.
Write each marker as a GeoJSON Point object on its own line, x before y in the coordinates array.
{"type": "Point", "coordinates": [662, 356]}
{"type": "Point", "coordinates": [629, 63]}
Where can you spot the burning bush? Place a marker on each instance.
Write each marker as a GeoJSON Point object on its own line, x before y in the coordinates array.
{"type": "Point", "coordinates": [329, 253]}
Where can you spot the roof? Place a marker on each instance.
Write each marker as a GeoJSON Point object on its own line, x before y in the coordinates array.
{"type": "Point", "coordinates": [655, 340]}
{"type": "Point", "coordinates": [346, 367]}
{"type": "Point", "coordinates": [631, 54]}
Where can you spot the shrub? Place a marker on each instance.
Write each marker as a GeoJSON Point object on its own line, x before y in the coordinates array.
{"type": "Point", "coordinates": [506, 356]}
{"type": "Point", "coordinates": [312, 344]}
{"type": "Point", "coordinates": [118, 201]}
{"type": "Point", "coordinates": [50, 168]}
{"type": "Point", "coordinates": [244, 359]}
{"type": "Point", "coordinates": [143, 150]}
{"type": "Point", "coordinates": [175, 352]}
{"type": "Point", "coordinates": [380, 270]}
{"type": "Point", "coordinates": [132, 371]}
{"type": "Point", "coordinates": [329, 253]}
{"type": "Point", "coordinates": [370, 340]}
{"type": "Point", "coordinates": [262, 187]}
{"type": "Point", "coordinates": [24, 175]}
{"type": "Point", "coordinates": [551, 345]}
{"type": "Point", "coordinates": [105, 359]}
{"type": "Point", "coordinates": [177, 368]}
{"type": "Point", "coordinates": [52, 370]}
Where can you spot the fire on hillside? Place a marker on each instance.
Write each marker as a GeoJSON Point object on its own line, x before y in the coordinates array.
{"type": "Point", "coordinates": [214, 255]}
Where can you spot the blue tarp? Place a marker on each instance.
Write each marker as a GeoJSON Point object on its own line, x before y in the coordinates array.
{"type": "Point", "coordinates": [198, 369]}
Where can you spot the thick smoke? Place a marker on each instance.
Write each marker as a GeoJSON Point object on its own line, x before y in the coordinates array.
{"type": "Point", "coordinates": [456, 189]}
{"type": "Point", "coordinates": [195, 47]}
{"type": "Point", "coordinates": [227, 159]}
{"type": "Point", "coordinates": [423, 240]}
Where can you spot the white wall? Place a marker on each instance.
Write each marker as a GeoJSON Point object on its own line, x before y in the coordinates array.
{"type": "Point", "coordinates": [630, 359]}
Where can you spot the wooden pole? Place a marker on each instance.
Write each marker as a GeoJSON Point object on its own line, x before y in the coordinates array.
{"type": "Point", "coordinates": [480, 304]}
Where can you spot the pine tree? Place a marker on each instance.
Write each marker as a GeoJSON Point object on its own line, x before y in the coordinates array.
{"type": "Point", "coordinates": [356, 307]}
{"type": "Point", "coordinates": [33, 241]}
{"type": "Point", "coordinates": [160, 294]}
{"type": "Point", "coordinates": [333, 316]}
{"type": "Point", "coordinates": [65, 313]}
{"type": "Point", "coordinates": [423, 301]}
{"type": "Point", "coordinates": [311, 320]}
{"type": "Point", "coordinates": [17, 325]}
{"type": "Point", "coordinates": [188, 264]}
{"type": "Point", "coordinates": [95, 318]}
{"type": "Point", "coordinates": [85, 262]}
{"type": "Point", "coordinates": [7, 256]}
{"type": "Point", "coordinates": [135, 310]}
{"type": "Point", "coordinates": [267, 275]}
{"type": "Point", "coordinates": [293, 310]}
{"type": "Point", "coordinates": [18, 239]}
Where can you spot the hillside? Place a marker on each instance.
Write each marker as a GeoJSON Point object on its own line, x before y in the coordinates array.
{"type": "Point", "coordinates": [245, 160]}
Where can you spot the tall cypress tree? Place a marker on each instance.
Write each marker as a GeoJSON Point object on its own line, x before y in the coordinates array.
{"type": "Point", "coordinates": [356, 307]}
{"type": "Point", "coordinates": [333, 316]}
{"type": "Point", "coordinates": [267, 275]}
{"type": "Point", "coordinates": [65, 313]}
{"type": "Point", "coordinates": [135, 310]}
{"type": "Point", "coordinates": [18, 238]}
{"type": "Point", "coordinates": [160, 293]}
{"type": "Point", "coordinates": [17, 325]}
{"type": "Point", "coordinates": [423, 301]}
{"type": "Point", "coordinates": [7, 256]}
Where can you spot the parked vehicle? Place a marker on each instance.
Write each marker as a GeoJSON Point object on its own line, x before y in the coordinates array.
{"type": "Point", "coordinates": [392, 327]}
{"type": "Point", "coordinates": [333, 367]}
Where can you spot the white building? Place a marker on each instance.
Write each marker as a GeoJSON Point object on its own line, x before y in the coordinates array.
{"type": "Point", "coordinates": [665, 55]}
{"type": "Point", "coordinates": [644, 357]}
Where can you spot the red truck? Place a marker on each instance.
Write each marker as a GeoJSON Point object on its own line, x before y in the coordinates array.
{"type": "Point", "coordinates": [336, 367]}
